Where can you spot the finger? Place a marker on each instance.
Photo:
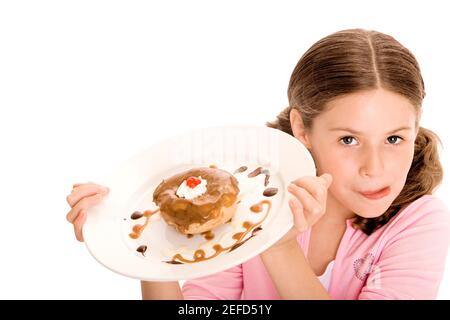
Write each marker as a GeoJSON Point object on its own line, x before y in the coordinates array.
{"type": "Point", "coordinates": [78, 225]}
{"type": "Point", "coordinates": [300, 222]}
{"type": "Point", "coordinates": [327, 179]}
{"type": "Point", "coordinates": [82, 183]}
{"type": "Point", "coordinates": [310, 205]}
{"type": "Point", "coordinates": [314, 185]}
{"type": "Point", "coordinates": [85, 204]}
{"type": "Point", "coordinates": [85, 191]}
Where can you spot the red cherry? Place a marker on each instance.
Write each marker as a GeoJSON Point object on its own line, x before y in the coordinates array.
{"type": "Point", "coordinates": [192, 182]}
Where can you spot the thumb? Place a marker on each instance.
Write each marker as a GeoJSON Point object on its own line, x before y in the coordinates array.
{"type": "Point", "coordinates": [327, 178]}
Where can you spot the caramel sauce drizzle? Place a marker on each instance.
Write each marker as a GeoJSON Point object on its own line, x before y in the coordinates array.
{"type": "Point", "coordinates": [208, 235]}
{"type": "Point", "coordinates": [254, 233]}
{"type": "Point", "coordinates": [139, 228]}
{"type": "Point", "coordinates": [200, 254]}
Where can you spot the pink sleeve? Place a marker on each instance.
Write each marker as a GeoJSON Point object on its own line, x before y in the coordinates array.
{"type": "Point", "coordinates": [225, 285]}
{"type": "Point", "coordinates": [412, 263]}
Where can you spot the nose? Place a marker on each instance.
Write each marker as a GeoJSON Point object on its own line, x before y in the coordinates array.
{"type": "Point", "coordinates": [372, 162]}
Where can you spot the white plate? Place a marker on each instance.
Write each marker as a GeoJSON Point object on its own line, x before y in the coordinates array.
{"type": "Point", "coordinates": [106, 231]}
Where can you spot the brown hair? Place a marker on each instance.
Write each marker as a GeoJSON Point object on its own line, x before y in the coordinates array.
{"type": "Point", "coordinates": [352, 60]}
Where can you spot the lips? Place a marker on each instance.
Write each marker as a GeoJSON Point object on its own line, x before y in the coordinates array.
{"type": "Point", "coordinates": [377, 194]}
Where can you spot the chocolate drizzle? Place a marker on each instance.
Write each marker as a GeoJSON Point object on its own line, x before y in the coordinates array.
{"type": "Point", "coordinates": [240, 169]}
{"type": "Point", "coordinates": [174, 262]}
{"type": "Point", "coordinates": [142, 249]}
{"type": "Point", "coordinates": [254, 233]}
{"type": "Point", "coordinates": [139, 228]}
{"type": "Point", "coordinates": [259, 171]}
{"type": "Point", "coordinates": [136, 215]}
{"type": "Point", "coordinates": [267, 178]}
{"type": "Point", "coordinates": [270, 192]}
{"type": "Point", "coordinates": [255, 172]}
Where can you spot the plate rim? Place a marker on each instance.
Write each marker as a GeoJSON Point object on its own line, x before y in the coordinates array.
{"type": "Point", "coordinates": [281, 230]}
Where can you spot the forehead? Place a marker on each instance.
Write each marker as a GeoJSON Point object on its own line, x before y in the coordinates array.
{"type": "Point", "coordinates": [366, 109]}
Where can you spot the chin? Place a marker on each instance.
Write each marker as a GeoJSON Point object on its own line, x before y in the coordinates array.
{"type": "Point", "coordinates": [368, 208]}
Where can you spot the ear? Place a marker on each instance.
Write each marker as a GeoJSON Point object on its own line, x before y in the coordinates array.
{"type": "Point", "coordinates": [298, 129]}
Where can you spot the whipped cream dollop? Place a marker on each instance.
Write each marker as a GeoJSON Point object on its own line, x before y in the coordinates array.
{"type": "Point", "coordinates": [185, 190]}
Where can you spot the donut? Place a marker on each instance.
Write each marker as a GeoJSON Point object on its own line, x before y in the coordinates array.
{"type": "Point", "coordinates": [197, 200]}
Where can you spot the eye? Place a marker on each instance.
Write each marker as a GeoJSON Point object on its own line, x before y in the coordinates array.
{"type": "Point", "coordinates": [394, 139]}
{"type": "Point", "coordinates": [347, 140]}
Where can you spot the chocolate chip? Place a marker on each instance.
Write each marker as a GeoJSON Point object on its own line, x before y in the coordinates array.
{"type": "Point", "coordinates": [255, 172]}
{"type": "Point", "coordinates": [136, 215]}
{"type": "Point", "coordinates": [269, 192]}
{"type": "Point", "coordinates": [266, 180]}
{"type": "Point", "coordinates": [241, 169]}
{"type": "Point", "coordinates": [142, 249]}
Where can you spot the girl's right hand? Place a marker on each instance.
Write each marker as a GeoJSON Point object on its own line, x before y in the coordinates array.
{"type": "Point", "coordinates": [83, 197]}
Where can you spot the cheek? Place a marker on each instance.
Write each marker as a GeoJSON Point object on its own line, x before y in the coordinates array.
{"type": "Point", "coordinates": [342, 167]}
{"type": "Point", "coordinates": [344, 172]}
{"type": "Point", "coordinates": [398, 164]}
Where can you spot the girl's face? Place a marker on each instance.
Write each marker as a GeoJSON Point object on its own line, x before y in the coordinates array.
{"type": "Point", "coordinates": [365, 140]}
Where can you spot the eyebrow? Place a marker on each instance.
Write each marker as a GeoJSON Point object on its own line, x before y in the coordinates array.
{"type": "Point", "coordinates": [357, 132]}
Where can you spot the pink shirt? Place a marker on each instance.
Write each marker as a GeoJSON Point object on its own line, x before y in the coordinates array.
{"type": "Point", "coordinates": [404, 259]}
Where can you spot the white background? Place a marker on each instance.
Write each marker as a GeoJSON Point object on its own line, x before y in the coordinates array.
{"type": "Point", "coordinates": [86, 84]}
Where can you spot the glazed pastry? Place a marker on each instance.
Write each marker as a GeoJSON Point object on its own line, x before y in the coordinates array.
{"type": "Point", "coordinates": [197, 200]}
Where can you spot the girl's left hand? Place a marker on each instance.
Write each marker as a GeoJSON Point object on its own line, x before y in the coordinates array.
{"type": "Point", "coordinates": [308, 204]}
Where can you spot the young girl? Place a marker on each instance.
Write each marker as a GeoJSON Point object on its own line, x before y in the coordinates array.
{"type": "Point", "coordinates": [368, 226]}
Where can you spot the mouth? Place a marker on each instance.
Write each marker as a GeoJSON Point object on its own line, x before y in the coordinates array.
{"type": "Point", "coordinates": [376, 194]}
